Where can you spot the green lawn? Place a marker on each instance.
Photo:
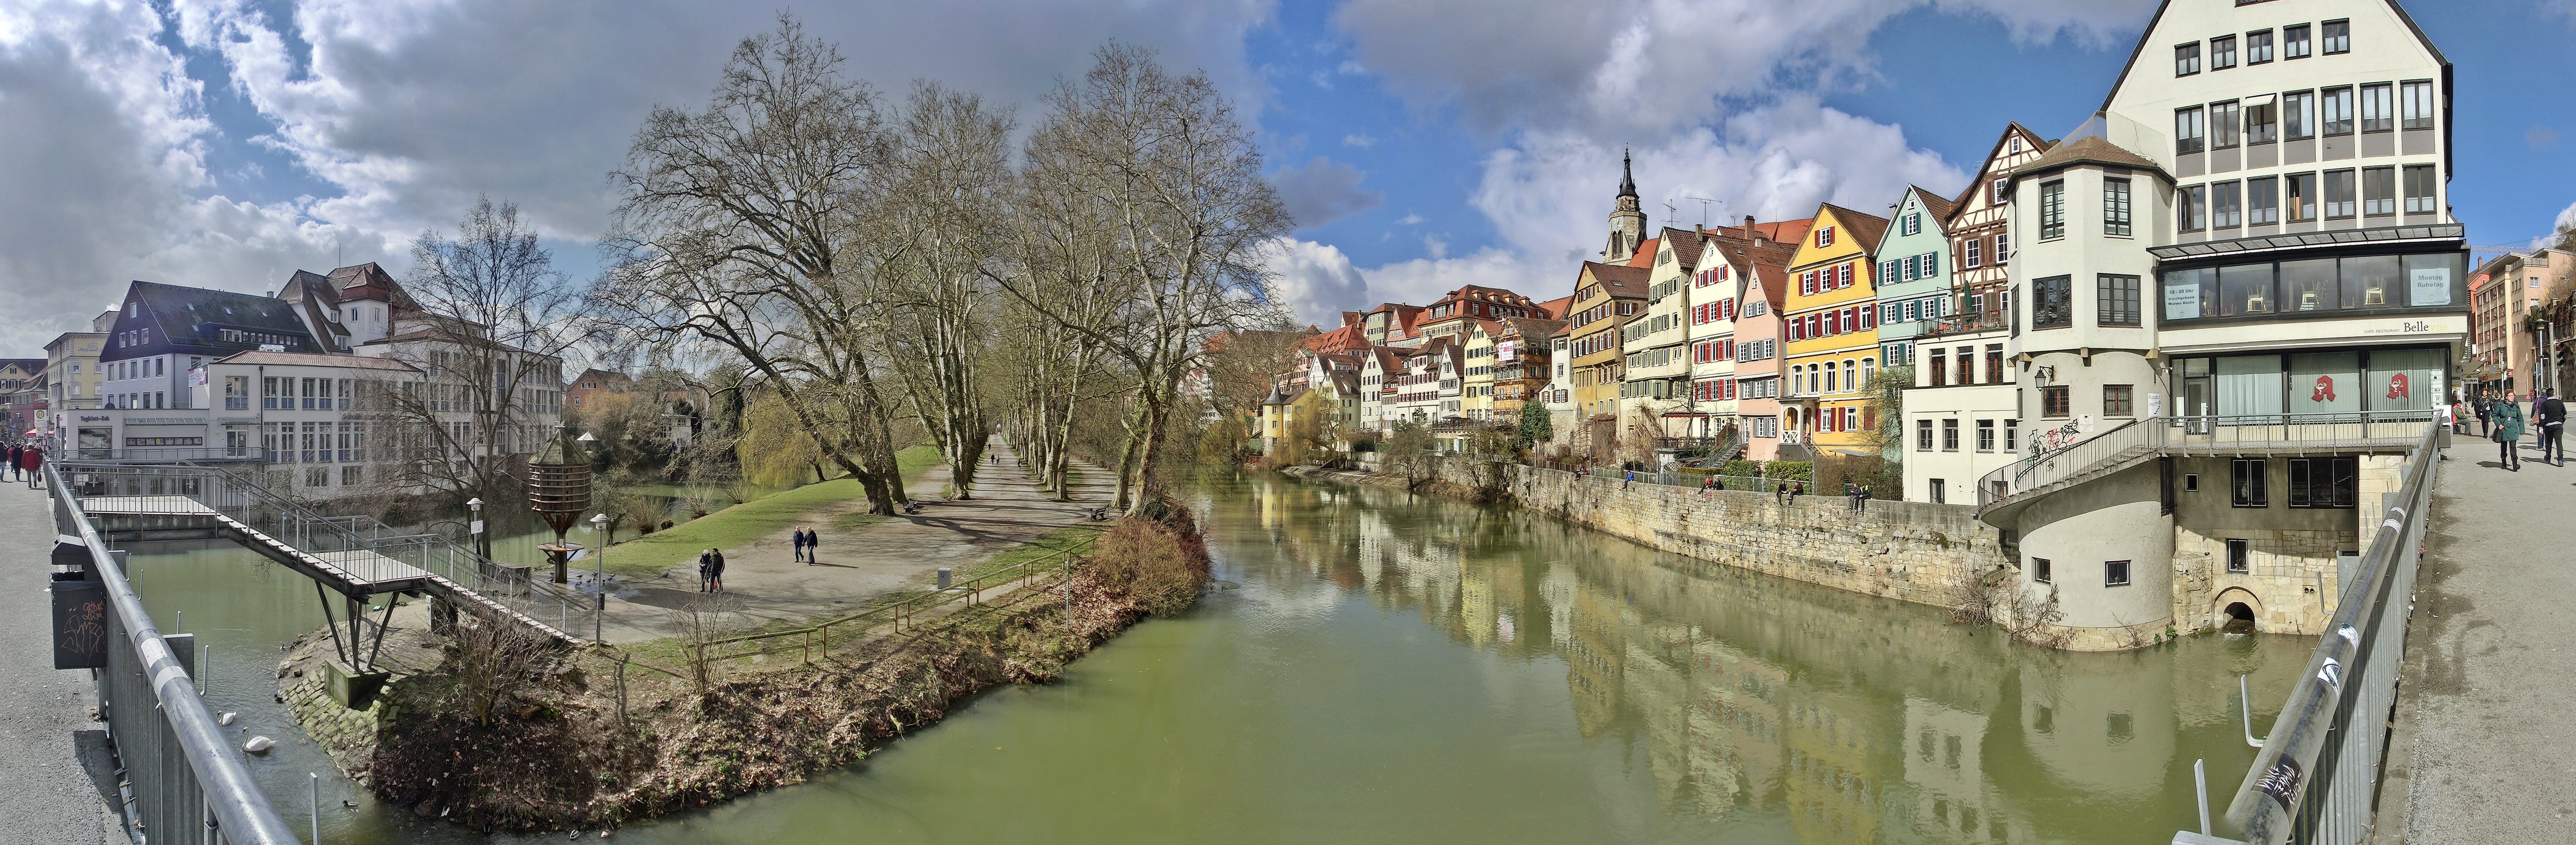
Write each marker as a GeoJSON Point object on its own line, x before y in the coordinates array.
{"type": "Point", "coordinates": [740, 524]}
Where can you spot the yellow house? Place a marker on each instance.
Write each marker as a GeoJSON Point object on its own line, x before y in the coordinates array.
{"type": "Point", "coordinates": [1605, 297]}
{"type": "Point", "coordinates": [1476, 396]}
{"type": "Point", "coordinates": [1830, 331]}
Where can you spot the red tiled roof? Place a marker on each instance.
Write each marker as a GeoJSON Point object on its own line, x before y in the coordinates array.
{"type": "Point", "coordinates": [1557, 307]}
{"type": "Point", "coordinates": [1645, 256]}
{"type": "Point", "coordinates": [1864, 229]}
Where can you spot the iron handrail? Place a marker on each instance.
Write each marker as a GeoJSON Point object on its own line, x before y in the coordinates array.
{"type": "Point", "coordinates": [242, 813]}
{"type": "Point", "coordinates": [2061, 454]}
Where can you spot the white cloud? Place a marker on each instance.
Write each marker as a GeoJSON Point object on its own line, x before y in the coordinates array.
{"type": "Point", "coordinates": [1316, 281]}
{"type": "Point", "coordinates": [1320, 282]}
{"type": "Point", "coordinates": [1409, 219]}
{"type": "Point", "coordinates": [1358, 140]}
{"type": "Point", "coordinates": [1322, 191]}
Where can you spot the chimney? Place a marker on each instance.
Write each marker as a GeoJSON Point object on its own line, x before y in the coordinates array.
{"type": "Point", "coordinates": [1749, 232]}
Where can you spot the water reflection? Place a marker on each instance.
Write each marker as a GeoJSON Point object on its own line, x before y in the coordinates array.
{"type": "Point", "coordinates": [1828, 716]}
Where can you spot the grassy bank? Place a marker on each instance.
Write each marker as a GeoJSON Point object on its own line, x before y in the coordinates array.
{"type": "Point", "coordinates": [740, 524]}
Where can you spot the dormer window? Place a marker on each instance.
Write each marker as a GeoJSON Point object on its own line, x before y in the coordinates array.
{"type": "Point", "coordinates": [1824, 236]}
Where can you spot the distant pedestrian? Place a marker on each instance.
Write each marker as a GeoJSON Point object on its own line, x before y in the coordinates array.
{"type": "Point", "coordinates": [32, 462]}
{"type": "Point", "coordinates": [2551, 418]}
{"type": "Point", "coordinates": [1781, 494]}
{"type": "Point", "coordinates": [1863, 504]}
{"type": "Point", "coordinates": [2508, 431]}
{"type": "Point", "coordinates": [813, 542]}
{"type": "Point", "coordinates": [1630, 482]}
{"type": "Point", "coordinates": [2486, 425]}
{"type": "Point", "coordinates": [715, 574]}
{"type": "Point", "coordinates": [706, 569]}
{"type": "Point", "coordinates": [796, 538]}
{"type": "Point", "coordinates": [1796, 489]}
{"type": "Point", "coordinates": [17, 452]}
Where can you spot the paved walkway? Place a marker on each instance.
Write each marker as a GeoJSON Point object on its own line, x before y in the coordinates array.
{"type": "Point", "coordinates": [2486, 742]}
{"type": "Point", "coordinates": [859, 565]}
{"type": "Point", "coordinates": [52, 797]}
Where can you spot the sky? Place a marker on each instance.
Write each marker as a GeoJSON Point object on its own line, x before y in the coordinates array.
{"type": "Point", "coordinates": [1420, 144]}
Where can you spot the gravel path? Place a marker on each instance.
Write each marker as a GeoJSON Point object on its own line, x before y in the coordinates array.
{"type": "Point", "coordinates": [52, 794]}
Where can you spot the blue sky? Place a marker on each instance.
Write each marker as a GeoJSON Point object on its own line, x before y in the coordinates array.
{"type": "Point", "coordinates": [1424, 143]}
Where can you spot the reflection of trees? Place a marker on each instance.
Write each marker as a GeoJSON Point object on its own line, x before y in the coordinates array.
{"type": "Point", "coordinates": [1851, 718]}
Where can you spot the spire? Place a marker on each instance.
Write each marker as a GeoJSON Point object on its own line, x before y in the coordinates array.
{"type": "Point", "coordinates": [1627, 181]}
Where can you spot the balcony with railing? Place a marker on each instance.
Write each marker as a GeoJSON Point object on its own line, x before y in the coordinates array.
{"type": "Point", "coordinates": [2063, 457]}
{"type": "Point", "coordinates": [1971, 322]}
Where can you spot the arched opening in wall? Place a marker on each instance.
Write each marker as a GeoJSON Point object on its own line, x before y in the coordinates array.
{"type": "Point", "coordinates": [2238, 619]}
{"type": "Point", "coordinates": [2234, 612]}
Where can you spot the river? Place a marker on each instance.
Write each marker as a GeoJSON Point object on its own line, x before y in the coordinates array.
{"type": "Point", "coordinates": [1403, 669]}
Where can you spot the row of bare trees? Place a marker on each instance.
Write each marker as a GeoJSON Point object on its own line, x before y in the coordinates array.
{"type": "Point", "coordinates": [872, 265]}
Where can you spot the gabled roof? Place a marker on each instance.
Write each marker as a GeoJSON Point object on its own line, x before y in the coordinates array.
{"type": "Point", "coordinates": [1959, 203]}
{"type": "Point", "coordinates": [2159, 16]}
{"type": "Point", "coordinates": [1775, 284]}
{"type": "Point", "coordinates": [1778, 231]}
{"type": "Point", "coordinates": [1338, 340]}
{"type": "Point", "coordinates": [1645, 255]}
{"type": "Point", "coordinates": [1556, 308]}
{"type": "Point", "coordinates": [1620, 281]}
{"type": "Point", "coordinates": [194, 317]}
{"type": "Point", "coordinates": [1865, 229]}
{"type": "Point", "coordinates": [1527, 327]}
{"type": "Point", "coordinates": [1940, 206]}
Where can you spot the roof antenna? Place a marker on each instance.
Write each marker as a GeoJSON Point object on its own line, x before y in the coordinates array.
{"type": "Point", "coordinates": [1703, 208]}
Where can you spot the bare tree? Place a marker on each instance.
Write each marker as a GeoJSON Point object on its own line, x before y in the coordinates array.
{"type": "Point", "coordinates": [952, 166]}
{"type": "Point", "coordinates": [746, 225]}
{"type": "Point", "coordinates": [1160, 165]}
{"type": "Point", "coordinates": [487, 322]}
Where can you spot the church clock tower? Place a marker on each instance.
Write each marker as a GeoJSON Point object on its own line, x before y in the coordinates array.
{"type": "Point", "coordinates": [1627, 223]}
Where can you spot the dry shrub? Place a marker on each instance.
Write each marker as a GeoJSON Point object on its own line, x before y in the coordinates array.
{"type": "Point", "coordinates": [1157, 558]}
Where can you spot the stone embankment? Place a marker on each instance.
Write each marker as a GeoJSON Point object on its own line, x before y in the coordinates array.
{"type": "Point", "coordinates": [1921, 553]}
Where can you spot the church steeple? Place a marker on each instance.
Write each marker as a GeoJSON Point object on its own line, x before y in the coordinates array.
{"type": "Point", "coordinates": [1627, 221]}
{"type": "Point", "coordinates": [1627, 176]}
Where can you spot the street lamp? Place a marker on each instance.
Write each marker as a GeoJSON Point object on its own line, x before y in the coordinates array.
{"type": "Point", "coordinates": [599, 578]}
{"type": "Point", "coordinates": [482, 541]}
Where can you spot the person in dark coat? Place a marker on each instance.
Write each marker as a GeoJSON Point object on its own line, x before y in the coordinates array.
{"type": "Point", "coordinates": [18, 452]}
{"type": "Point", "coordinates": [796, 539]}
{"type": "Point", "coordinates": [813, 543]}
{"type": "Point", "coordinates": [2550, 416]}
{"type": "Point", "coordinates": [706, 568]}
{"type": "Point", "coordinates": [2486, 424]}
{"type": "Point", "coordinates": [715, 575]}
{"type": "Point", "coordinates": [2508, 431]}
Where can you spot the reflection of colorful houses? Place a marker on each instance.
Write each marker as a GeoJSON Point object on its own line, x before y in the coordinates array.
{"type": "Point", "coordinates": [1594, 667]}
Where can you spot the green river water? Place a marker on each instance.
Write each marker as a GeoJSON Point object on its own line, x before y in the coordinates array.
{"type": "Point", "coordinates": [1402, 669]}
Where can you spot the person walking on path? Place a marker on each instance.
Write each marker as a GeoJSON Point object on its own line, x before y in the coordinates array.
{"type": "Point", "coordinates": [2551, 417]}
{"type": "Point", "coordinates": [17, 451]}
{"type": "Point", "coordinates": [706, 569]}
{"type": "Point", "coordinates": [2486, 426]}
{"type": "Point", "coordinates": [2508, 432]}
{"type": "Point", "coordinates": [813, 541]}
{"type": "Point", "coordinates": [715, 573]}
{"type": "Point", "coordinates": [798, 538]}
{"type": "Point", "coordinates": [32, 462]}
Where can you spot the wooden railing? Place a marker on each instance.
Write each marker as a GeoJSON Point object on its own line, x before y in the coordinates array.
{"type": "Point", "coordinates": [814, 641]}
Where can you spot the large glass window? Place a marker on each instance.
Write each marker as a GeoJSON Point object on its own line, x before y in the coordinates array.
{"type": "Point", "coordinates": [2222, 124]}
{"type": "Point", "coordinates": [2300, 201]}
{"type": "Point", "coordinates": [2195, 207]}
{"type": "Point", "coordinates": [2334, 107]}
{"type": "Point", "coordinates": [2309, 285]}
{"type": "Point", "coordinates": [2371, 282]}
{"type": "Point", "coordinates": [2294, 41]}
{"type": "Point", "coordinates": [2115, 207]}
{"type": "Point", "coordinates": [2378, 113]}
{"type": "Point", "coordinates": [2245, 289]}
{"type": "Point", "coordinates": [2187, 291]}
{"type": "Point", "coordinates": [2262, 124]}
{"type": "Point", "coordinates": [2337, 38]}
{"type": "Point", "coordinates": [2299, 115]}
{"type": "Point", "coordinates": [2419, 189]}
{"type": "Point", "coordinates": [2246, 486]}
{"type": "Point", "coordinates": [2403, 379]}
{"type": "Point", "coordinates": [2052, 210]}
{"type": "Point", "coordinates": [2117, 300]}
{"type": "Point", "coordinates": [2379, 191]}
{"type": "Point", "coordinates": [2262, 201]}
{"type": "Point", "coordinates": [2415, 101]}
{"type": "Point", "coordinates": [2226, 205]}
{"type": "Point", "coordinates": [2249, 385]}
{"type": "Point", "coordinates": [2188, 130]}
{"type": "Point", "coordinates": [2222, 52]}
{"type": "Point", "coordinates": [2052, 303]}
{"type": "Point", "coordinates": [2325, 383]}
{"type": "Point", "coordinates": [2340, 201]}
{"type": "Point", "coordinates": [2431, 278]}
{"type": "Point", "coordinates": [2258, 47]}
{"type": "Point", "coordinates": [2187, 59]}
{"type": "Point", "coordinates": [2324, 482]}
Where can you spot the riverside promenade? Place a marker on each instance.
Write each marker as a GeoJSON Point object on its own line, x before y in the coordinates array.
{"type": "Point", "coordinates": [52, 755]}
{"type": "Point", "coordinates": [2484, 729]}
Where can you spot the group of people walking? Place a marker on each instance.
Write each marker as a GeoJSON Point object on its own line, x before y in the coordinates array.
{"type": "Point", "coordinates": [25, 462]}
{"type": "Point", "coordinates": [806, 542]}
{"type": "Point", "coordinates": [2503, 421]}
{"type": "Point", "coordinates": [711, 567]}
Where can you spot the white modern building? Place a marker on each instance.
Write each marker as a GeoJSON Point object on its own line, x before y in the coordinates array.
{"type": "Point", "coordinates": [2239, 288]}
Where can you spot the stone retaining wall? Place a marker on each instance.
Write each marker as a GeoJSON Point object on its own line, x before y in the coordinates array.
{"type": "Point", "coordinates": [1915, 552]}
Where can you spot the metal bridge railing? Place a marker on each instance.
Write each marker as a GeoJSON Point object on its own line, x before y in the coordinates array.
{"type": "Point", "coordinates": [300, 526]}
{"type": "Point", "coordinates": [190, 785]}
{"type": "Point", "coordinates": [2061, 453]}
{"type": "Point", "coordinates": [2316, 779]}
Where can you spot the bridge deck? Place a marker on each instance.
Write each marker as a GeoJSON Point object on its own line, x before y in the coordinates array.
{"type": "Point", "coordinates": [353, 573]}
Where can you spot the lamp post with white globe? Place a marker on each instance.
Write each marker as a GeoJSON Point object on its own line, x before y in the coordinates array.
{"type": "Point", "coordinates": [599, 578]}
